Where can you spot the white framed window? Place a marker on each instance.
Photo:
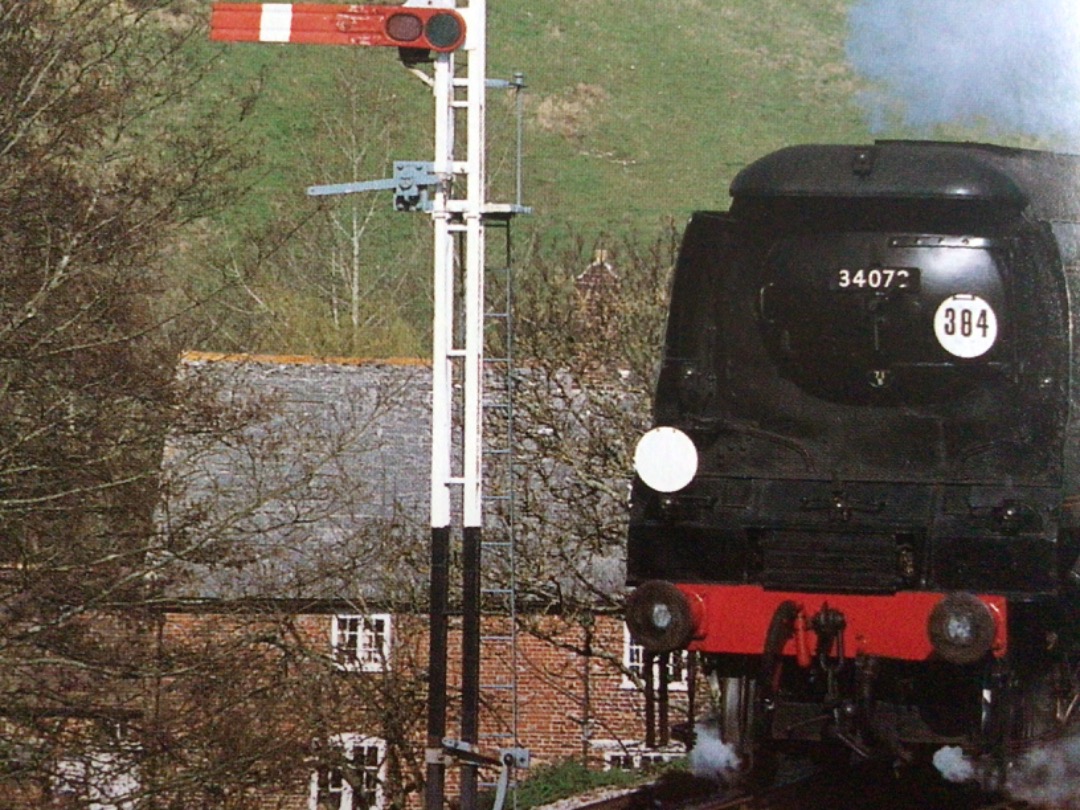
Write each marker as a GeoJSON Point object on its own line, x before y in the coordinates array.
{"type": "Point", "coordinates": [98, 780]}
{"type": "Point", "coordinates": [361, 642]}
{"type": "Point", "coordinates": [634, 756]}
{"type": "Point", "coordinates": [634, 666]}
{"type": "Point", "coordinates": [355, 780]}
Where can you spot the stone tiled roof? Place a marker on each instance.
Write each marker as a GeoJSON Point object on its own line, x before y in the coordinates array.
{"type": "Point", "coordinates": [319, 491]}
{"type": "Point", "coordinates": [312, 483]}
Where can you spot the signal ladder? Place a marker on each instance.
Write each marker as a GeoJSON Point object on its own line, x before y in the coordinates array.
{"type": "Point", "coordinates": [497, 634]}
{"type": "Point", "coordinates": [499, 665]}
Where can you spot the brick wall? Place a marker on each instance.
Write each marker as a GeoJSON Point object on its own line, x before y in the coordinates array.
{"type": "Point", "coordinates": [246, 705]}
{"type": "Point", "coordinates": [574, 699]}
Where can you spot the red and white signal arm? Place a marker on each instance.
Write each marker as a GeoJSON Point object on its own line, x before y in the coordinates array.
{"type": "Point", "coordinates": [433, 29]}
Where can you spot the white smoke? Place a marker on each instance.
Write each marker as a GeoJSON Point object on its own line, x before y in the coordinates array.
{"type": "Point", "coordinates": [1046, 776]}
{"type": "Point", "coordinates": [1049, 775]}
{"type": "Point", "coordinates": [1008, 66]}
{"type": "Point", "coordinates": [953, 765]}
{"type": "Point", "coordinates": [711, 757]}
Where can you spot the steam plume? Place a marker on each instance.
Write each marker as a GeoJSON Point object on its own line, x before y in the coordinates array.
{"type": "Point", "coordinates": [1010, 66]}
{"type": "Point", "coordinates": [1049, 775]}
{"type": "Point", "coordinates": [953, 765]}
{"type": "Point", "coordinates": [711, 757]}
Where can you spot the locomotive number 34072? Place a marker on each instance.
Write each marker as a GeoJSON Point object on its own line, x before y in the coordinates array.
{"type": "Point", "coordinates": [875, 278]}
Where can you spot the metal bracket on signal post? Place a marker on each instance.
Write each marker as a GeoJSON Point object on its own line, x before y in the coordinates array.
{"type": "Point", "coordinates": [509, 758]}
{"type": "Point", "coordinates": [412, 183]}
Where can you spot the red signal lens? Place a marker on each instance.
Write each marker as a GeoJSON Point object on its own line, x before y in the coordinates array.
{"type": "Point", "coordinates": [404, 27]}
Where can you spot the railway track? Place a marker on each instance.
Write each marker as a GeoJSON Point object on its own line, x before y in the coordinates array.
{"type": "Point", "coordinates": [834, 789]}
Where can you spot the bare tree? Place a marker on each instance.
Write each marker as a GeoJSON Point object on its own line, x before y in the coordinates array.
{"type": "Point", "coordinates": [290, 503]}
{"type": "Point", "coordinates": [353, 281]}
{"type": "Point", "coordinates": [105, 166]}
{"type": "Point", "coordinates": [590, 328]}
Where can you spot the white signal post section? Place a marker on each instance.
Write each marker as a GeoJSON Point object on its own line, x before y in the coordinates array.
{"type": "Point", "coordinates": [448, 215]}
{"type": "Point", "coordinates": [474, 273]}
{"type": "Point", "coordinates": [321, 23]}
{"type": "Point", "coordinates": [443, 323]}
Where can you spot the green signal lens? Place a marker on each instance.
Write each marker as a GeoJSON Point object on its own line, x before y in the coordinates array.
{"type": "Point", "coordinates": [443, 30]}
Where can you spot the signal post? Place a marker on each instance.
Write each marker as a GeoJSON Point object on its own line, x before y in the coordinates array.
{"type": "Point", "coordinates": [430, 31]}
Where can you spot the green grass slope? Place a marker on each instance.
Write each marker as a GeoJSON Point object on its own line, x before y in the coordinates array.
{"type": "Point", "coordinates": [636, 113]}
{"type": "Point", "coordinates": [642, 110]}
{"type": "Point", "coordinates": [636, 110]}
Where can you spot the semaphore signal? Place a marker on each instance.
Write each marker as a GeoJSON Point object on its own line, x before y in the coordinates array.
{"type": "Point", "coordinates": [431, 29]}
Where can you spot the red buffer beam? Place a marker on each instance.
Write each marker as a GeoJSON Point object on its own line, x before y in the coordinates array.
{"type": "Point", "coordinates": [434, 29]}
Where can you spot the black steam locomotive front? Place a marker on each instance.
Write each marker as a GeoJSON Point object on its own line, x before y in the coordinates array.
{"type": "Point", "coordinates": [855, 501]}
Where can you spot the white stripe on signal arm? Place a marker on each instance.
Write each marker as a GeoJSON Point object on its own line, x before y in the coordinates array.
{"type": "Point", "coordinates": [275, 24]}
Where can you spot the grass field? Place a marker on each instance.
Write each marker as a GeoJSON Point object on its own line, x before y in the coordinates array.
{"type": "Point", "coordinates": [635, 111]}
{"type": "Point", "coordinates": [644, 110]}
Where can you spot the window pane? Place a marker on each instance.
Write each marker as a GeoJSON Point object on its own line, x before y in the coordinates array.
{"type": "Point", "coordinates": [357, 786]}
{"type": "Point", "coordinates": [363, 641]}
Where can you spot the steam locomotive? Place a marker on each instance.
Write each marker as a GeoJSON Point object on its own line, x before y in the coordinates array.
{"type": "Point", "coordinates": [860, 502]}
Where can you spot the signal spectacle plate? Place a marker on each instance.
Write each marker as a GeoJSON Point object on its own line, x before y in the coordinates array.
{"type": "Point", "coordinates": [666, 459]}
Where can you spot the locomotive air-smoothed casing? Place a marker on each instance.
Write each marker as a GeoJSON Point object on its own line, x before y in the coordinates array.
{"type": "Point", "coordinates": [872, 354]}
{"type": "Point", "coordinates": [861, 502]}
